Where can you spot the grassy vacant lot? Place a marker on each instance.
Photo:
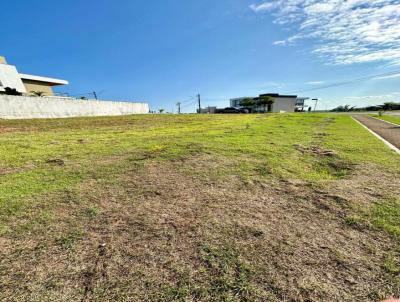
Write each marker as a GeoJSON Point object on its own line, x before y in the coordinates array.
{"type": "Point", "coordinates": [289, 207]}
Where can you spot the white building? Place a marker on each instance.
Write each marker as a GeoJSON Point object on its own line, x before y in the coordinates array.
{"type": "Point", "coordinates": [282, 103]}
{"type": "Point", "coordinates": [25, 83]}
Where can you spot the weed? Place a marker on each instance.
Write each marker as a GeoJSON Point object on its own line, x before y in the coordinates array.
{"type": "Point", "coordinates": [67, 241]}
{"type": "Point", "coordinates": [353, 220]}
{"type": "Point", "coordinates": [91, 212]}
{"type": "Point", "coordinates": [392, 265]}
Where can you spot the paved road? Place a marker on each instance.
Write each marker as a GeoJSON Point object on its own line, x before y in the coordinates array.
{"type": "Point", "coordinates": [388, 131]}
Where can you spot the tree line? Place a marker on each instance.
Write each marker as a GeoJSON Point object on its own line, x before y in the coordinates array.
{"type": "Point", "coordinates": [385, 107]}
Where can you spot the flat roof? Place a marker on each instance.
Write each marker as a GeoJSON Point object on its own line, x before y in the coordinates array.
{"type": "Point", "coordinates": [52, 81]}
{"type": "Point", "coordinates": [273, 95]}
{"type": "Point", "coordinates": [277, 95]}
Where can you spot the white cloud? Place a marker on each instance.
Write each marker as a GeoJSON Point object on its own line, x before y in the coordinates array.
{"type": "Point", "coordinates": [343, 32]}
{"type": "Point", "coordinates": [281, 42]}
{"type": "Point", "coordinates": [390, 97]}
{"type": "Point", "coordinates": [388, 77]}
{"type": "Point", "coordinates": [316, 82]}
{"type": "Point", "coordinates": [266, 6]}
{"type": "Point", "coordinates": [319, 8]}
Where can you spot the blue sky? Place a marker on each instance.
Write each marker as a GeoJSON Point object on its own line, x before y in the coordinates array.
{"type": "Point", "coordinates": [167, 51]}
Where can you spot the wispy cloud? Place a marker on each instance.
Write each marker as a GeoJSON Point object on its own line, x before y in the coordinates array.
{"type": "Point", "coordinates": [380, 97]}
{"type": "Point", "coordinates": [266, 6]}
{"type": "Point", "coordinates": [388, 77]}
{"type": "Point", "coordinates": [344, 32]}
{"type": "Point", "coordinates": [316, 82]}
{"type": "Point", "coordinates": [281, 42]}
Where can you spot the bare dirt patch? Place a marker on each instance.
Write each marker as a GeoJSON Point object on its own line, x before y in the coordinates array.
{"type": "Point", "coordinates": [367, 184]}
{"type": "Point", "coordinates": [83, 141]}
{"type": "Point", "coordinates": [163, 233]}
{"type": "Point", "coordinates": [5, 171]}
{"type": "Point", "coordinates": [56, 162]}
{"type": "Point", "coordinates": [12, 170]}
{"type": "Point", "coordinates": [315, 150]}
{"type": "Point", "coordinates": [8, 129]}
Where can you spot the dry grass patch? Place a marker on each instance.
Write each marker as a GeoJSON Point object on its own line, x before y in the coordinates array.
{"type": "Point", "coordinates": [162, 233]}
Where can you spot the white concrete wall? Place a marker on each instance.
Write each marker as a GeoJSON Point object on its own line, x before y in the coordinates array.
{"type": "Point", "coordinates": [23, 107]}
{"type": "Point", "coordinates": [284, 104]}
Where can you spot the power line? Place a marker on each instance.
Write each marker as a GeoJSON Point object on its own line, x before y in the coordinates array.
{"type": "Point", "coordinates": [190, 104]}
{"type": "Point", "coordinates": [337, 84]}
{"type": "Point", "coordinates": [188, 100]}
{"type": "Point", "coordinates": [81, 94]}
{"type": "Point", "coordinates": [94, 94]}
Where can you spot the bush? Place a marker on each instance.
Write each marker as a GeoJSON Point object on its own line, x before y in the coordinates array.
{"type": "Point", "coordinates": [11, 91]}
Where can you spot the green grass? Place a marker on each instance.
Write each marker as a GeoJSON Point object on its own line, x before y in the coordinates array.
{"type": "Point", "coordinates": [383, 214]}
{"type": "Point", "coordinates": [390, 118]}
{"type": "Point", "coordinates": [265, 144]}
{"type": "Point", "coordinates": [392, 265]}
{"type": "Point", "coordinates": [386, 215]}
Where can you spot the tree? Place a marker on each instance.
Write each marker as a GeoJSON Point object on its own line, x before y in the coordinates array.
{"type": "Point", "coordinates": [11, 91]}
{"type": "Point", "coordinates": [265, 101]}
{"type": "Point", "coordinates": [391, 106]}
{"type": "Point", "coordinates": [248, 103]}
{"type": "Point", "coordinates": [373, 108]}
{"type": "Point", "coordinates": [161, 110]}
{"type": "Point", "coordinates": [345, 108]}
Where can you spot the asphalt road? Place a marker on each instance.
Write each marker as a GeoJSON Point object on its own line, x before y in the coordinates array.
{"type": "Point", "coordinates": [388, 131]}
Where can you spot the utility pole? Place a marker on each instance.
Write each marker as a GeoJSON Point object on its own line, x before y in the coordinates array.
{"type": "Point", "coordinates": [199, 100]}
{"type": "Point", "coordinates": [179, 107]}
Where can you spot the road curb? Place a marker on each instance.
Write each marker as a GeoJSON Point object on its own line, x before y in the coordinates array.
{"type": "Point", "coordinates": [394, 148]}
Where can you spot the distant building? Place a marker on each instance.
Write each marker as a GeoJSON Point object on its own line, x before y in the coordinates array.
{"type": "Point", "coordinates": [282, 103]}
{"type": "Point", "coordinates": [26, 83]}
{"type": "Point", "coordinates": [209, 109]}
